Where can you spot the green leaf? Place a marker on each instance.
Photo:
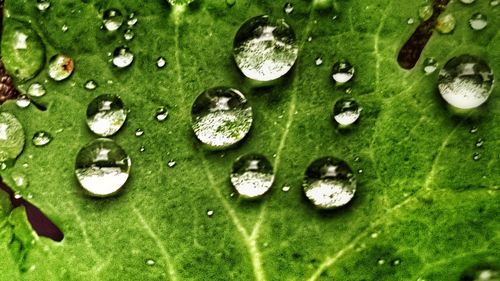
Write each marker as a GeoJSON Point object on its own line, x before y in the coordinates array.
{"type": "Point", "coordinates": [423, 208]}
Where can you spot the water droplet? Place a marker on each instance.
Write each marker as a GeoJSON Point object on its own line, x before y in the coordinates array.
{"type": "Point", "coordinates": [23, 101]}
{"type": "Point", "coordinates": [19, 179]}
{"type": "Point", "coordinates": [142, 148]}
{"type": "Point", "coordinates": [265, 49]}
{"type": "Point", "coordinates": [161, 62]}
{"type": "Point", "coordinates": [479, 142]}
{"type": "Point", "coordinates": [122, 57]}
{"type": "Point", "coordinates": [396, 262]}
{"type": "Point", "coordinates": [476, 156]}
{"type": "Point", "coordinates": [42, 5]}
{"type": "Point", "coordinates": [467, 1]}
{"type": "Point", "coordinates": [106, 115]}
{"type": "Point", "coordinates": [318, 61]}
{"type": "Point", "coordinates": [252, 175]}
{"type": "Point", "coordinates": [90, 85]}
{"type": "Point", "coordinates": [112, 19]}
{"type": "Point", "coordinates": [139, 132]}
{"type": "Point", "coordinates": [288, 8]}
{"type": "Point", "coordinates": [374, 235]}
{"type": "Point", "coordinates": [425, 12]}
{"type": "Point", "coordinates": [445, 23]}
{"type": "Point", "coordinates": [478, 21]}
{"type": "Point", "coordinates": [329, 183]}
{"type": "Point", "coordinates": [132, 20]}
{"type": "Point", "coordinates": [221, 117]}
{"type": "Point", "coordinates": [380, 261]}
{"type": "Point", "coordinates": [230, 3]}
{"type": "Point", "coordinates": [210, 213]}
{"type": "Point", "coordinates": [129, 34]}
{"type": "Point", "coordinates": [60, 67]}
{"type": "Point", "coordinates": [36, 90]}
{"type": "Point", "coordinates": [23, 52]}
{"type": "Point", "coordinates": [171, 163]}
{"type": "Point", "coordinates": [161, 114]}
{"type": "Point", "coordinates": [473, 130]}
{"type": "Point", "coordinates": [150, 262]}
{"type": "Point", "coordinates": [494, 3]}
{"type": "Point", "coordinates": [102, 167]}
{"type": "Point", "coordinates": [342, 72]}
{"type": "Point", "coordinates": [465, 81]}
{"type": "Point", "coordinates": [64, 28]}
{"type": "Point", "coordinates": [285, 188]}
{"type": "Point", "coordinates": [11, 137]}
{"type": "Point", "coordinates": [41, 138]}
{"type": "Point", "coordinates": [309, 39]}
{"type": "Point", "coordinates": [481, 273]}
{"type": "Point", "coordinates": [410, 21]}
{"type": "Point", "coordinates": [346, 111]}
{"type": "Point", "coordinates": [17, 196]}
{"type": "Point", "coordinates": [430, 65]}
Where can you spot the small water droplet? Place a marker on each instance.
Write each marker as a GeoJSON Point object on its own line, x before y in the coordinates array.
{"type": "Point", "coordinates": [17, 196]}
{"type": "Point", "coordinates": [60, 67]}
{"type": "Point", "coordinates": [252, 175]}
{"type": "Point", "coordinates": [465, 81]}
{"type": "Point", "coordinates": [142, 148]}
{"type": "Point", "coordinates": [161, 114]}
{"type": "Point", "coordinates": [64, 28]}
{"type": "Point", "coordinates": [478, 21]}
{"type": "Point", "coordinates": [19, 179]}
{"type": "Point", "coordinates": [329, 183]}
{"type": "Point", "coordinates": [106, 115]}
{"type": "Point", "coordinates": [102, 167]}
{"type": "Point", "coordinates": [265, 49]}
{"type": "Point", "coordinates": [23, 101]}
{"type": "Point", "coordinates": [473, 130]}
{"type": "Point", "coordinates": [445, 23]}
{"type": "Point", "coordinates": [380, 261]}
{"type": "Point", "coordinates": [410, 21]}
{"type": "Point", "coordinates": [285, 188]}
{"type": "Point", "coordinates": [129, 34]}
{"type": "Point", "coordinates": [346, 111]}
{"type": "Point", "coordinates": [494, 3]}
{"type": "Point", "coordinates": [288, 8]}
{"type": "Point", "coordinates": [481, 273]}
{"type": "Point", "coordinates": [425, 12]}
{"type": "Point", "coordinates": [139, 132]}
{"type": "Point", "coordinates": [230, 3]}
{"type": "Point", "coordinates": [42, 5]}
{"type": "Point", "coordinates": [171, 163]}
{"type": "Point", "coordinates": [161, 62]}
{"type": "Point", "coordinates": [476, 156]}
{"type": "Point", "coordinates": [112, 19]}
{"type": "Point", "coordinates": [374, 235]}
{"type": "Point", "coordinates": [122, 57]}
{"type": "Point", "coordinates": [360, 171]}
{"type": "Point", "coordinates": [467, 1]}
{"type": "Point", "coordinates": [396, 262]}
{"type": "Point", "coordinates": [210, 213]}
{"type": "Point", "coordinates": [221, 117]}
{"type": "Point", "coordinates": [430, 65]}
{"type": "Point", "coordinates": [36, 90]}
{"type": "Point", "coordinates": [309, 39]}
{"type": "Point", "coordinates": [479, 142]}
{"type": "Point", "coordinates": [90, 85]}
{"type": "Point", "coordinates": [41, 138]}
{"type": "Point", "coordinates": [342, 72]}
{"type": "Point", "coordinates": [150, 262]}
{"type": "Point", "coordinates": [318, 61]}
{"type": "Point", "coordinates": [132, 20]}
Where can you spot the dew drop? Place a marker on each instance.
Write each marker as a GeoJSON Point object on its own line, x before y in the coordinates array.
{"type": "Point", "coordinates": [430, 65]}
{"type": "Point", "coordinates": [476, 156]}
{"type": "Point", "coordinates": [19, 179]}
{"type": "Point", "coordinates": [467, 1]}
{"type": "Point", "coordinates": [445, 23]}
{"type": "Point", "coordinates": [396, 262]}
{"type": "Point", "coordinates": [142, 148]}
{"type": "Point", "coordinates": [380, 261]}
{"type": "Point", "coordinates": [285, 188]}
{"type": "Point", "coordinates": [161, 114]}
{"type": "Point", "coordinates": [318, 61]}
{"type": "Point", "coordinates": [90, 85]}
{"type": "Point", "coordinates": [139, 132]}
{"type": "Point", "coordinates": [106, 115]}
{"type": "Point", "coordinates": [410, 21]}
{"type": "Point", "coordinates": [342, 72]}
{"type": "Point", "coordinates": [425, 12]}
{"type": "Point", "coordinates": [41, 138]}
{"type": "Point", "coordinates": [252, 175]}
{"type": "Point", "coordinates": [473, 130]}
{"type": "Point", "coordinates": [122, 57]}
{"type": "Point", "coordinates": [129, 34]}
{"type": "Point", "coordinates": [150, 262]}
{"type": "Point", "coordinates": [479, 142]}
{"type": "Point", "coordinates": [132, 20]}
{"type": "Point", "coordinates": [23, 101]}
{"type": "Point", "coordinates": [346, 111]}
{"type": "Point", "coordinates": [210, 213]}
{"type": "Point", "coordinates": [112, 19]}
{"type": "Point", "coordinates": [42, 5]}
{"type": "Point", "coordinates": [329, 183]}
{"type": "Point", "coordinates": [481, 273]}
{"type": "Point", "coordinates": [161, 62]}
{"type": "Point", "coordinates": [36, 90]}
{"type": "Point", "coordinates": [102, 167]}
{"type": "Point", "coordinates": [478, 21]}
{"type": "Point", "coordinates": [465, 81]}
{"type": "Point", "coordinates": [309, 39]}
{"type": "Point", "coordinates": [221, 117]}
{"type": "Point", "coordinates": [494, 3]}
{"type": "Point", "coordinates": [61, 67]}
{"type": "Point", "coordinates": [265, 49]}
{"type": "Point", "coordinates": [64, 28]}
{"type": "Point", "coordinates": [171, 163]}
{"type": "Point", "coordinates": [288, 8]}
{"type": "Point", "coordinates": [11, 137]}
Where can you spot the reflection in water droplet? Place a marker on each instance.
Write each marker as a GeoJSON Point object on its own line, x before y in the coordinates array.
{"type": "Point", "coordinates": [139, 132]}
{"type": "Point", "coordinates": [342, 72]}
{"type": "Point", "coordinates": [430, 65]}
{"type": "Point", "coordinates": [465, 81]}
{"type": "Point", "coordinates": [122, 57]}
{"type": "Point", "coordinates": [90, 85]}
{"type": "Point", "coordinates": [346, 111]}
{"type": "Point", "coordinates": [129, 34]}
{"type": "Point", "coordinates": [102, 167]}
{"type": "Point", "coordinates": [23, 101]}
{"type": "Point", "coordinates": [252, 175]}
{"type": "Point", "coordinates": [329, 183]}
{"type": "Point", "coordinates": [42, 5]}
{"type": "Point", "coordinates": [112, 19]}
{"type": "Point", "coordinates": [161, 62]}
{"type": "Point", "coordinates": [161, 114]}
{"type": "Point", "coordinates": [41, 138]}
{"type": "Point", "coordinates": [60, 67]}
{"type": "Point", "coordinates": [288, 8]}
{"type": "Point", "coordinates": [478, 21]}
{"type": "Point", "coordinates": [210, 213]}
{"type": "Point", "coordinates": [425, 12]}
{"type": "Point", "coordinates": [150, 262]}
{"type": "Point", "coordinates": [221, 117]}
{"type": "Point", "coordinates": [265, 49]}
{"type": "Point", "coordinates": [36, 90]}
{"type": "Point", "coordinates": [106, 115]}
{"type": "Point", "coordinates": [445, 23]}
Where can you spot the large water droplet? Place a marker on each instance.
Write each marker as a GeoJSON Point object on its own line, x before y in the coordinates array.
{"type": "Point", "coordinates": [42, 5]}
{"type": "Point", "coordinates": [329, 183]}
{"type": "Point", "coordinates": [346, 111]}
{"type": "Point", "coordinates": [430, 65]}
{"type": "Point", "coordinates": [342, 72]}
{"type": "Point", "coordinates": [445, 23]}
{"type": "Point", "coordinates": [23, 101]}
{"type": "Point", "coordinates": [112, 19]}
{"type": "Point", "coordinates": [106, 115]}
{"type": "Point", "coordinates": [478, 21]}
{"type": "Point", "coordinates": [36, 90]}
{"type": "Point", "coordinates": [23, 52]}
{"type": "Point", "coordinates": [221, 117]}
{"type": "Point", "coordinates": [41, 138]}
{"type": "Point", "coordinates": [252, 175]}
{"type": "Point", "coordinates": [11, 137]}
{"type": "Point", "coordinates": [265, 49]}
{"type": "Point", "coordinates": [465, 81]}
{"type": "Point", "coordinates": [102, 167]}
{"type": "Point", "coordinates": [61, 67]}
{"type": "Point", "coordinates": [122, 57]}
